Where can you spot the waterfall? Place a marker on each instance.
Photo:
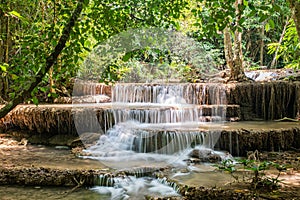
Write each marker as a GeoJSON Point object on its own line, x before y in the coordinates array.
{"type": "Point", "coordinates": [159, 122]}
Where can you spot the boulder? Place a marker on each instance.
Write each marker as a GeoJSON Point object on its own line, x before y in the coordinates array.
{"type": "Point", "coordinates": [204, 155]}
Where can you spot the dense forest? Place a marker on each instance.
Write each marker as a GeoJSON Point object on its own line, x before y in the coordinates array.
{"type": "Point", "coordinates": [44, 42]}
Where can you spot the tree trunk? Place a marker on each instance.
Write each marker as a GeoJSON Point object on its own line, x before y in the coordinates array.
{"type": "Point", "coordinates": [262, 45]}
{"type": "Point", "coordinates": [228, 48]}
{"type": "Point", "coordinates": [6, 56]}
{"type": "Point", "coordinates": [295, 7]}
{"type": "Point", "coordinates": [6, 50]}
{"type": "Point", "coordinates": [238, 55]}
{"type": "Point", "coordinates": [51, 81]}
{"type": "Point", "coordinates": [237, 71]}
{"type": "Point", "coordinates": [2, 23]}
{"type": "Point", "coordinates": [50, 60]}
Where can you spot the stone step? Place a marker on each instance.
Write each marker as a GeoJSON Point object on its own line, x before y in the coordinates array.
{"type": "Point", "coordinates": [65, 118]}
{"type": "Point", "coordinates": [258, 100]}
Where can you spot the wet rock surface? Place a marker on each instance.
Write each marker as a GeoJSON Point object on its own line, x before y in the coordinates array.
{"type": "Point", "coordinates": [47, 177]}
{"type": "Point", "coordinates": [91, 99]}
{"type": "Point", "coordinates": [245, 101]}
{"type": "Point", "coordinates": [204, 155]}
{"type": "Point", "coordinates": [239, 141]}
{"type": "Point", "coordinates": [277, 136]}
{"type": "Point", "coordinates": [265, 75]}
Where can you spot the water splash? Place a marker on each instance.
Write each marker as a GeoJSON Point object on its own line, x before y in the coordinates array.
{"type": "Point", "coordinates": [129, 187]}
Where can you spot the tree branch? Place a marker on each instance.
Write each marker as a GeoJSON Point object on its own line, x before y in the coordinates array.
{"type": "Point", "coordinates": [279, 43]}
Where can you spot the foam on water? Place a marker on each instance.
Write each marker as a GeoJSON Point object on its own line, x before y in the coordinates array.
{"type": "Point", "coordinates": [135, 188]}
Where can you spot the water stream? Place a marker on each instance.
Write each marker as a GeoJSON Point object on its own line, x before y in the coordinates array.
{"type": "Point", "coordinates": [159, 123]}
{"type": "Point", "coordinates": [156, 125]}
{"type": "Point", "coordinates": [136, 188]}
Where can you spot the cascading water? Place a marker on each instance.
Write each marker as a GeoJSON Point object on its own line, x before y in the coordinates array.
{"type": "Point", "coordinates": [159, 123]}
{"type": "Point", "coordinates": [155, 124]}
{"type": "Point", "coordinates": [130, 187]}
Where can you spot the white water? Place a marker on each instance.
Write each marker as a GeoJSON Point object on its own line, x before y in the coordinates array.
{"type": "Point", "coordinates": [158, 125]}
{"type": "Point", "coordinates": [169, 93]}
{"type": "Point", "coordinates": [136, 188]}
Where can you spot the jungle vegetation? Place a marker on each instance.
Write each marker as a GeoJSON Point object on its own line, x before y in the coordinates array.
{"type": "Point", "coordinates": [43, 43]}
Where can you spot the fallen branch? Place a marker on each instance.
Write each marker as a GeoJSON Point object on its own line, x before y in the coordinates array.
{"type": "Point", "coordinates": [79, 185]}
{"type": "Point", "coordinates": [286, 119]}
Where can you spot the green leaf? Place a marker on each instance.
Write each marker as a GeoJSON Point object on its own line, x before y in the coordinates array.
{"type": "Point", "coordinates": [267, 27]}
{"type": "Point", "coordinates": [4, 67]}
{"type": "Point", "coordinates": [54, 95]}
{"type": "Point", "coordinates": [252, 7]}
{"type": "Point", "coordinates": [35, 100]}
{"type": "Point", "coordinates": [43, 89]}
{"type": "Point", "coordinates": [12, 95]}
{"type": "Point", "coordinates": [252, 13]}
{"type": "Point", "coordinates": [242, 20]}
{"type": "Point", "coordinates": [17, 15]}
{"type": "Point", "coordinates": [14, 77]}
{"type": "Point", "coordinates": [263, 18]}
{"type": "Point", "coordinates": [194, 10]}
{"type": "Point", "coordinates": [127, 56]}
{"type": "Point", "coordinates": [272, 23]}
{"type": "Point", "coordinates": [86, 2]}
{"type": "Point", "coordinates": [277, 8]}
{"type": "Point", "coordinates": [87, 43]}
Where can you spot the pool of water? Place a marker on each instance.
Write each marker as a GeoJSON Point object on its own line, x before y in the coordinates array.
{"type": "Point", "coordinates": [130, 188]}
{"type": "Point", "coordinates": [42, 156]}
{"type": "Point", "coordinates": [49, 193]}
{"type": "Point", "coordinates": [206, 179]}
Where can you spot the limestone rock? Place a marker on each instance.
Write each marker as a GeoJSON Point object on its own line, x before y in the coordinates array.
{"type": "Point", "coordinates": [205, 155]}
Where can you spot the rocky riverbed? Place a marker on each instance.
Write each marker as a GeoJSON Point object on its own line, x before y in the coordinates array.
{"type": "Point", "coordinates": [23, 164]}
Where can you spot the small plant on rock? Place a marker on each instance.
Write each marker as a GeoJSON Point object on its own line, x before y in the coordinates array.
{"type": "Point", "coordinates": [258, 178]}
{"type": "Point", "coordinates": [228, 165]}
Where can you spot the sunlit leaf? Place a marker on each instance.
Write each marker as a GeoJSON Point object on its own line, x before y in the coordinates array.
{"type": "Point", "coordinates": [267, 27]}
{"type": "Point", "coordinates": [272, 23]}
{"type": "Point", "coordinates": [4, 67]}
{"type": "Point", "coordinates": [18, 16]}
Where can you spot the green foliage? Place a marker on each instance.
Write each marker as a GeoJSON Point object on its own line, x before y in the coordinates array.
{"type": "Point", "coordinates": [149, 54]}
{"type": "Point", "coordinates": [289, 50]}
{"type": "Point", "coordinates": [4, 67]}
{"type": "Point", "coordinates": [40, 27]}
{"type": "Point", "coordinates": [36, 26]}
{"type": "Point", "coordinates": [259, 179]}
{"type": "Point", "coordinates": [227, 165]}
{"type": "Point", "coordinates": [213, 16]}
